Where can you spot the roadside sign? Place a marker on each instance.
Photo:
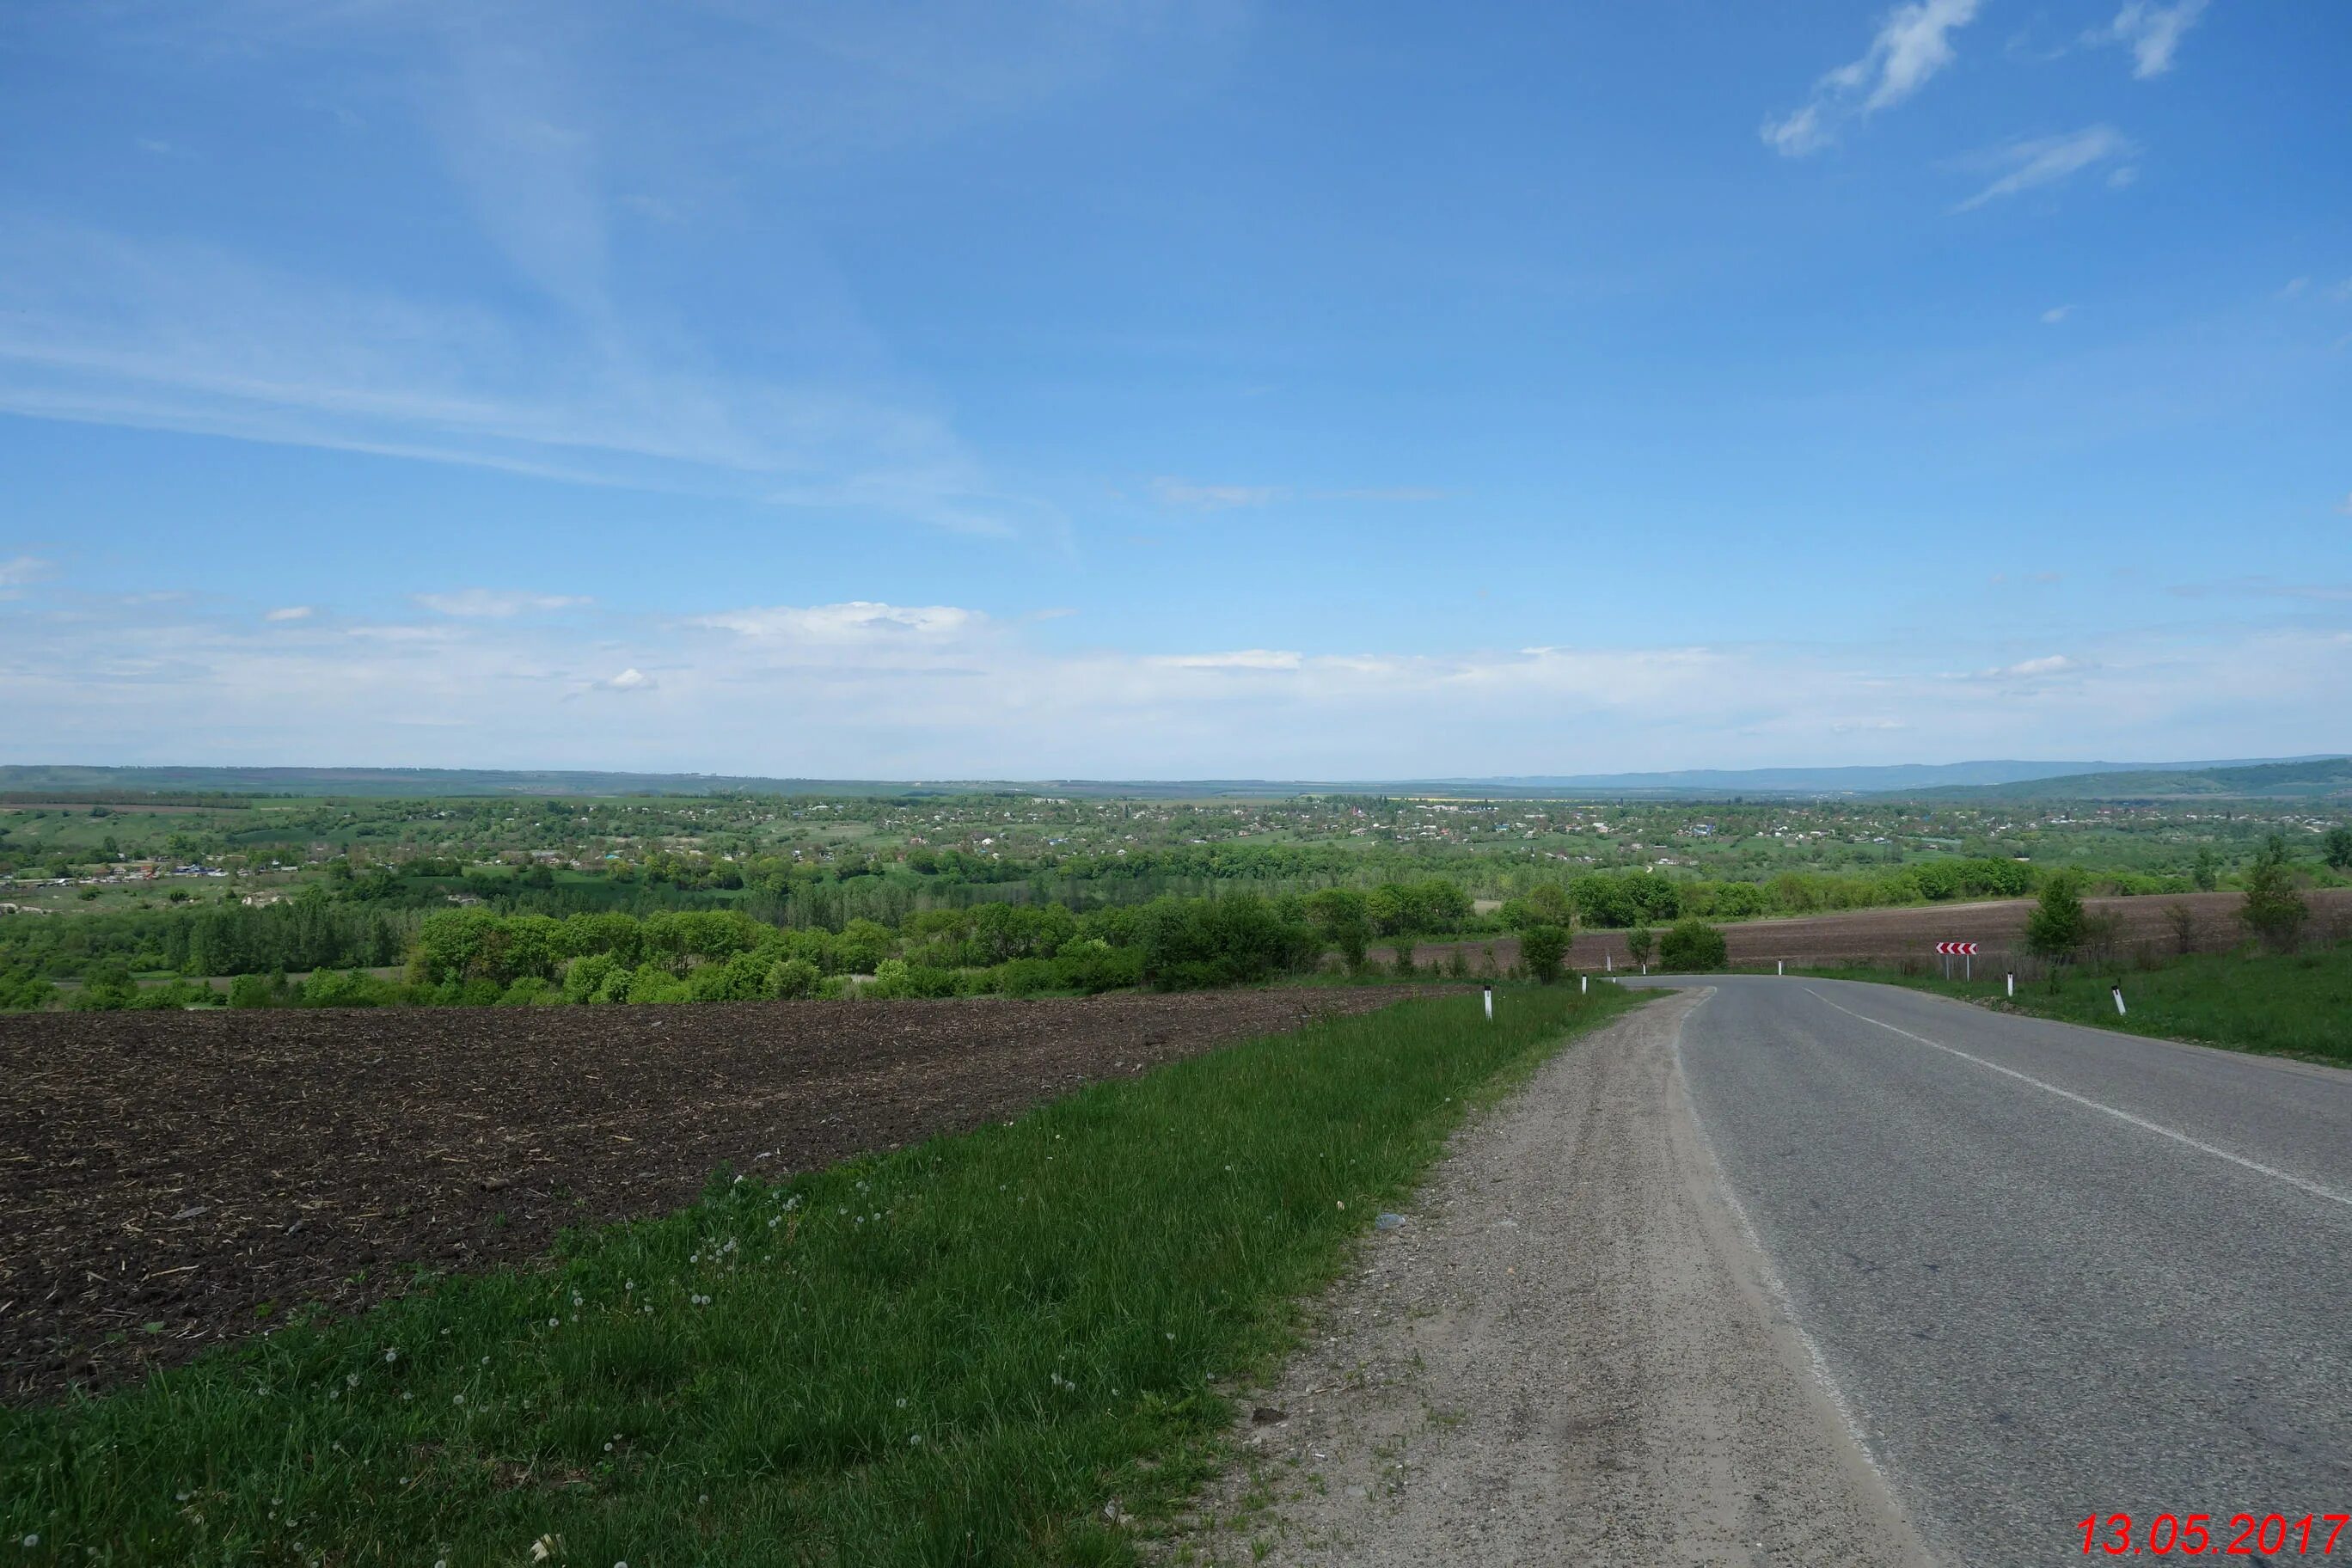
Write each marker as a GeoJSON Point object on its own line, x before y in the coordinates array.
{"type": "Point", "coordinates": [1951, 949]}
{"type": "Point", "coordinates": [1964, 951]}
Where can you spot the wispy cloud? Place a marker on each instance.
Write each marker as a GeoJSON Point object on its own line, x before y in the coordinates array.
{"type": "Point", "coordinates": [2027, 165]}
{"type": "Point", "coordinates": [2056, 314]}
{"type": "Point", "coordinates": [2040, 668]}
{"type": "Point", "coordinates": [1186, 494]}
{"type": "Point", "coordinates": [1213, 498]}
{"type": "Point", "coordinates": [2268, 588]}
{"type": "Point", "coordinates": [1912, 43]}
{"type": "Point", "coordinates": [496, 603]}
{"type": "Point", "coordinates": [871, 689]}
{"type": "Point", "coordinates": [860, 623]}
{"type": "Point", "coordinates": [2150, 31]}
{"type": "Point", "coordinates": [289, 612]}
{"type": "Point", "coordinates": [20, 570]}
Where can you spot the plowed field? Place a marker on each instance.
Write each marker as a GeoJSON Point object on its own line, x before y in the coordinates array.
{"type": "Point", "coordinates": [168, 1180]}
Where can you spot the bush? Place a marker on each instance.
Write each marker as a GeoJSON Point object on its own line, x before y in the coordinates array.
{"type": "Point", "coordinates": [2055, 930]}
{"type": "Point", "coordinates": [2274, 910]}
{"type": "Point", "coordinates": [250, 990]}
{"type": "Point", "coordinates": [1693, 945]}
{"type": "Point", "coordinates": [1542, 947]}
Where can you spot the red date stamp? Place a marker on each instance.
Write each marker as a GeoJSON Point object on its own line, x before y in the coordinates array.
{"type": "Point", "coordinates": [2196, 1535]}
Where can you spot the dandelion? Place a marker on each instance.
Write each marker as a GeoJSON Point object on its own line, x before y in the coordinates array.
{"type": "Point", "coordinates": [608, 1448]}
{"type": "Point", "coordinates": [575, 1298]}
{"type": "Point", "coordinates": [554, 1322]}
{"type": "Point", "coordinates": [32, 1541]}
{"type": "Point", "coordinates": [902, 1402]}
{"type": "Point", "coordinates": [774, 1223]}
{"type": "Point", "coordinates": [406, 1396]}
{"type": "Point", "coordinates": [391, 1355]}
{"type": "Point", "coordinates": [460, 1399]}
{"type": "Point", "coordinates": [628, 1285]}
{"type": "Point", "coordinates": [916, 1439]}
{"type": "Point", "coordinates": [350, 1380]}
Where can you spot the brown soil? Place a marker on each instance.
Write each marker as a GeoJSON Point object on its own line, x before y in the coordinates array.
{"type": "Point", "coordinates": [1884, 935]}
{"type": "Point", "coordinates": [162, 1176]}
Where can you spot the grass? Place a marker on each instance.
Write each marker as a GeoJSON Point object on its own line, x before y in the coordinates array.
{"type": "Point", "coordinates": [2296, 1004]}
{"type": "Point", "coordinates": [965, 1352]}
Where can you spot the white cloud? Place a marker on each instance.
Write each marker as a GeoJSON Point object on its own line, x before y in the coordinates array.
{"type": "Point", "coordinates": [858, 623]}
{"type": "Point", "coordinates": [495, 603]}
{"type": "Point", "coordinates": [289, 612]}
{"type": "Point", "coordinates": [2152, 32]}
{"type": "Point", "coordinates": [2029, 165]}
{"type": "Point", "coordinates": [2032, 669]}
{"type": "Point", "coordinates": [1241, 659]}
{"type": "Point", "coordinates": [1213, 498]}
{"type": "Point", "coordinates": [21, 571]}
{"type": "Point", "coordinates": [953, 692]}
{"type": "Point", "coordinates": [2056, 314]}
{"type": "Point", "coordinates": [1912, 43]}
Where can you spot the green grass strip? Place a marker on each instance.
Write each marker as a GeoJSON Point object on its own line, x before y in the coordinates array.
{"type": "Point", "coordinates": [962, 1353]}
{"type": "Point", "coordinates": [2297, 1005]}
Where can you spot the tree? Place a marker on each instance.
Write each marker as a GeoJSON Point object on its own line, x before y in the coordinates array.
{"type": "Point", "coordinates": [2207, 872]}
{"type": "Point", "coordinates": [1641, 941]}
{"type": "Point", "coordinates": [1542, 947]}
{"type": "Point", "coordinates": [2339, 848]}
{"type": "Point", "coordinates": [2274, 910]}
{"type": "Point", "coordinates": [1693, 945]}
{"type": "Point", "coordinates": [1340, 919]}
{"type": "Point", "coordinates": [2055, 929]}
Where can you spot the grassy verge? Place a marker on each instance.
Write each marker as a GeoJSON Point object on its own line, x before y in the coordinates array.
{"type": "Point", "coordinates": [2295, 1005]}
{"type": "Point", "coordinates": [961, 1353]}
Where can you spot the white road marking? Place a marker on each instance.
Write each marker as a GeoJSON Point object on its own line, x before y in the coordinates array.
{"type": "Point", "coordinates": [2300, 1183]}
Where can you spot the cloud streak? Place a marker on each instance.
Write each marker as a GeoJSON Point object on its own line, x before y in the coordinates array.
{"type": "Point", "coordinates": [1912, 45]}
{"type": "Point", "coordinates": [2028, 165]}
{"type": "Point", "coordinates": [2151, 32]}
{"type": "Point", "coordinates": [868, 689]}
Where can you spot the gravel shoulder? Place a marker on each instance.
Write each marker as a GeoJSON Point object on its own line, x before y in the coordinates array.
{"type": "Point", "coordinates": [1569, 1351]}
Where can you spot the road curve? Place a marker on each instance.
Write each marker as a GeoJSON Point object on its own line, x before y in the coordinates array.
{"type": "Point", "coordinates": [2051, 1271]}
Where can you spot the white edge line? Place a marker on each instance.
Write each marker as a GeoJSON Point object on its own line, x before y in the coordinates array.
{"type": "Point", "coordinates": [2315, 1189]}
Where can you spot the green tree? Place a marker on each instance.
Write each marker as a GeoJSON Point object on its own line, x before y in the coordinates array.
{"type": "Point", "coordinates": [2206, 870]}
{"type": "Point", "coordinates": [1641, 941]}
{"type": "Point", "coordinates": [1542, 947]}
{"type": "Point", "coordinates": [1340, 919]}
{"type": "Point", "coordinates": [1693, 945]}
{"type": "Point", "coordinates": [2055, 929]}
{"type": "Point", "coordinates": [2339, 852]}
{"type": "Point", "coordinates": [2274, 910]}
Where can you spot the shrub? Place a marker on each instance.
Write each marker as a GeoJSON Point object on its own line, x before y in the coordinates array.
{"type": "Point", "coordinates": [250, 990]}
{"type": "Point", "coordinates": [1693, 945]}
{"type": "Point", "coordinates": [794, 977]}
{"type": "Point", "coordinates": [1542, 947]}
{"type": "Point", "coordinates": [2274, 910]}
{"type": "Point", "coordinates": [2056, 928]}
{"type": "Point", "coordinates": [1641, 941]}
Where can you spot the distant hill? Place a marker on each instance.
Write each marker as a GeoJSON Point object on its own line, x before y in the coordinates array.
{"type": "Point", "coordinates": [2315, 779]}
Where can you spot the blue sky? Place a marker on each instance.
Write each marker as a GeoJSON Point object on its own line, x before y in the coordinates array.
{"type": "Point", "coordinates": [1166, 390]}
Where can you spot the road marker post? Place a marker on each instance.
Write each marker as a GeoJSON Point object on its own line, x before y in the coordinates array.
{"type": "Point", "coordinates": [2012, 983]}
{"type": "Point", "coordinates": [2118, 992]}
{"type": "Point", "coordinates": [1490, 1004]}
{"type": "Point", "coordinates": [1780, 966]}
{"type": "Point", "coordinates": [1584, 985]}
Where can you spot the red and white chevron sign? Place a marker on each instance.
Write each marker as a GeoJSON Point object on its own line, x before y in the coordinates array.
{"type": "Point", "coordinates": [1956, 949]}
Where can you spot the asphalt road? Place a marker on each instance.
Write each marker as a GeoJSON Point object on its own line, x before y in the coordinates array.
{"type": "Point", "coordinates": [2050, 1271]}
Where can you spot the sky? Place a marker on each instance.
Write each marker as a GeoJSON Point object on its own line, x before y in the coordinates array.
{"type": "Point", "coordinates": [1149, 390]}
